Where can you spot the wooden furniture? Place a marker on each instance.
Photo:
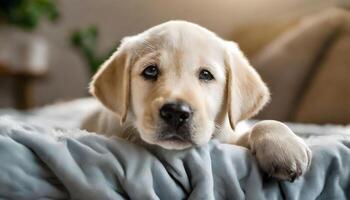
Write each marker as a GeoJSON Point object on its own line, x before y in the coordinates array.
{"type": "Point", "coordinates": [24, 83]}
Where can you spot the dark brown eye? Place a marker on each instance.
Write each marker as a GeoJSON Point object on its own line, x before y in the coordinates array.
{"type": "Point", "coordinates": [151, 72]}
{"type": "Point", "coordinates": [205, 75]}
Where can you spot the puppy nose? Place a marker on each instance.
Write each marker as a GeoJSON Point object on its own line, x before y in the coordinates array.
{"type": "Point", "coordinates": [175, 114]}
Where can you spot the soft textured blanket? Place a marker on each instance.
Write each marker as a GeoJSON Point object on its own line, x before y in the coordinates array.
{"type": "Point", "coordinates": [40, 162]}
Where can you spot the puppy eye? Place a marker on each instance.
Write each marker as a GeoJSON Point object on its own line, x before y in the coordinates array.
{"type": "Point", "coordinates": [151, 72]}
{"type": "Point", "coordinates": [205, 75]}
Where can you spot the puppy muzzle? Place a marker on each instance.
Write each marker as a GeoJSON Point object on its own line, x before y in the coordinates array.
{"type": "Point", "coordinates": [176, 117]}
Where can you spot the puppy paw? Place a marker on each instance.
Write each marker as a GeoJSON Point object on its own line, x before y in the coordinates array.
{"type": "Point", "coordinates": [279, 152]}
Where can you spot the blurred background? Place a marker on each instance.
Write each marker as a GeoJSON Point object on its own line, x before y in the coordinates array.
{"type": "Point", "coordinates": [49, 49]}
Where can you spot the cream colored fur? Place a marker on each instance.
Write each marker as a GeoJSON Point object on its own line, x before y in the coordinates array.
{"type": "Point", "coordinates": [180, 49]}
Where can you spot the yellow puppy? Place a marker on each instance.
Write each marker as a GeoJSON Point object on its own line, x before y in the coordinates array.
{"type": "Point", "coordinates": [178, 84]}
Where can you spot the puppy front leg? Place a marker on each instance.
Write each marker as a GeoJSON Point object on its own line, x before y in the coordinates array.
{"type": "Point", "coordinates": [279, 152]}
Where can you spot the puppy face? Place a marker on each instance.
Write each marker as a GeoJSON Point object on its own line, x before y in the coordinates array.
{"type": "Point", "coordinates": [175, 83]}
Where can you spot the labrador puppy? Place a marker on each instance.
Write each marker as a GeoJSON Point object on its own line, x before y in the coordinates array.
{"type": "Point", "coordinates": [178, 85]}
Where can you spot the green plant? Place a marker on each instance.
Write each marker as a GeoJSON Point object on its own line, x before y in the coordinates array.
{"type": "Point", "coordinates": [27, 13]}
{"type": "Point", "coordinates": [86, 42]}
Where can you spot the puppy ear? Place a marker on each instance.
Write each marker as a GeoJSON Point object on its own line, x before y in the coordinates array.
{"type": "Point", "coordinates": [247, 93]}
{"type": "Point", "coordinates": [111, 83]}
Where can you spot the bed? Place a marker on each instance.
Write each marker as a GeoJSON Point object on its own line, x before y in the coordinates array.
{"type": "Point", "coordinates": [44, 155]}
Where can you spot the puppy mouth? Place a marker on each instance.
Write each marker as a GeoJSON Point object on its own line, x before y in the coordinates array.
{"type": "Point", "coordinates": [175, 137]}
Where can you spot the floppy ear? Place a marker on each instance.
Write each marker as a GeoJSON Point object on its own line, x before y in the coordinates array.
{"type": "Point", "coordinates": [111, 83]}
{"type": "Point", "coordinates": [247, 93]}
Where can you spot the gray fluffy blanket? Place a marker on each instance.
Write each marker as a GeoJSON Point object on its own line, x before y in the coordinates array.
{"type": "Point", "coordinates": [42, 157]}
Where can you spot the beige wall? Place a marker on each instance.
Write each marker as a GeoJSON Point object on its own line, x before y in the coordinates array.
{"type": "Point", "coordinates": [115, 19]}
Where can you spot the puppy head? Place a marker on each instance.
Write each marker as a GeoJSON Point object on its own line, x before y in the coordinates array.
{"type": "Point", "coordinates": [177, 82]}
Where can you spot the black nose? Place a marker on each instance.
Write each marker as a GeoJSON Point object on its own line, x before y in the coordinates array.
{"type": "Point", "coordinates": [175, 114]}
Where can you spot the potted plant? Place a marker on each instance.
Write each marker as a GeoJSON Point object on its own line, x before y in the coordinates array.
{"type": "Point", "coordinates": [20, 47]}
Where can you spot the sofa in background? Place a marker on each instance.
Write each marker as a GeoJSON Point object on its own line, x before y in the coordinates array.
{"type": "Point", "coordinates": [307, 69]}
